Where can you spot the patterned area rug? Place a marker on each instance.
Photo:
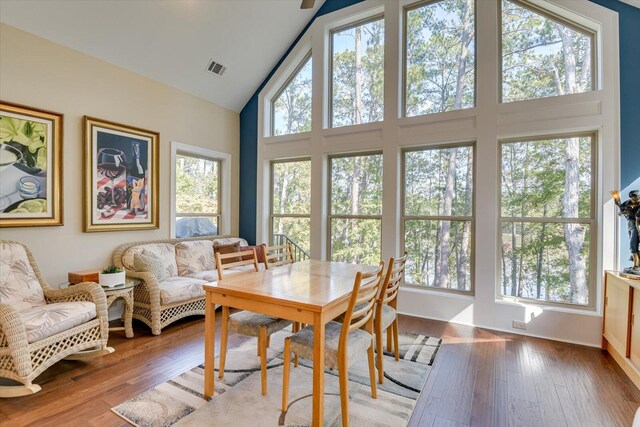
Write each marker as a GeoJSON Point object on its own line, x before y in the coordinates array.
{"type": "Point", "coordinates": [238, 401]}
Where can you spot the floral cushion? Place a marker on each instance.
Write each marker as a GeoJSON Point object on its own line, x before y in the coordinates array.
{"type": "Point", "coordinates": [193, 257]}
{"type": "Point", "coordinates": [208, 275]}
{"type": "Point", "coordinates": [229, 241]}
{"type": "Point", "coordinates": [388, 316]}
{"type": "Point", "coordinates": [176, 289]}
{"type": "Point", "coordinates": [50, 319]}
{"type": "Point", "coordinates": [19, 285]}
{"type": "Point", "coordinates": [148, 262]}
{"type": "Point", "coordinates": [165, 251]}
{"type": "Point", "coordinates": [249, 324]}
{"type": "Point", "coordinates": [357, 344]}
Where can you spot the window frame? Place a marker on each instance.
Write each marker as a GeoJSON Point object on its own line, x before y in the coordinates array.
{"type": "Point", "coordinates": [472, 219]}
{"type": "Point", "coordinates": [354, 24]}
{"type": "Point", "coordinates": [285, 85]}
{"type": "Point", "coordinates": [331, 216]}
{"type": "Point", "coordinates": [224, 184]}
{"type": "Point", "coordinates": [592, 34]}
{"type": "Point", "coordinates": [592, 221]}
{"type": "Point", "coordinates": [273, 215]}
{"type": "Point", "coordinates": [403, 77]}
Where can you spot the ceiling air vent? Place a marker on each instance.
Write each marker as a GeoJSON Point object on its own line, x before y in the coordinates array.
{"type": "Point", "coordinates": [216, 68]}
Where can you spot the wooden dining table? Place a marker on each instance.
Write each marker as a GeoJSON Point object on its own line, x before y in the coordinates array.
{"type": "Point", "coordinates": [312, 292]}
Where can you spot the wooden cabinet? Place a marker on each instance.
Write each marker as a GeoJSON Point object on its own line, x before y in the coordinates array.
{"type": "Point", "coordinates": [621, 329]}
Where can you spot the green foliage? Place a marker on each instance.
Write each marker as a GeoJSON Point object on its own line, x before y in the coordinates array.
{"type": "Point", "coordinates": [292, 195]}
{"type": "Point", "coordinates": [111, 270]}
{"type": "Point", "coordinates": [292, 108]}
{"type": "Point", "coordinates": [197, 185]}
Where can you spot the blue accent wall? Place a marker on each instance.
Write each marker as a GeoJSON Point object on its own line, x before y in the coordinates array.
{"type": "Point", "coordinates": [629, 20]}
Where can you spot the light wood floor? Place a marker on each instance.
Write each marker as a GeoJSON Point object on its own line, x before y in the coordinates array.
{"type": "Point", "coordinates": [480, 378]}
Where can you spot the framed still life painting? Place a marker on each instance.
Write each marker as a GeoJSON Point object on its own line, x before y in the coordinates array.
{"type": "Point", "coordinates": [121, 176]}
{"type": "Point", "coordinates": [30, 166]}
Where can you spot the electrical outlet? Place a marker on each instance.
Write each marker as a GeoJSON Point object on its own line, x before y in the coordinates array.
{"type": "Point", "coordinates": [519, 325]}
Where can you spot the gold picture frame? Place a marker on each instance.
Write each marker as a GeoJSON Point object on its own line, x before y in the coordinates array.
{"type": "Point", "coordinates": [120, 176]}
{"type": "Point", "coordinates": [30, 166]}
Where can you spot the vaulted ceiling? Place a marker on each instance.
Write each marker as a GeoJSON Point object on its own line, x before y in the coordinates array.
{"type": "Point", "coordinates": [173, 41]}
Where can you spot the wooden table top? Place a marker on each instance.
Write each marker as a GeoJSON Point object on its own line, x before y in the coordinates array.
{"type": "Point", "coordinates": [311, 285]}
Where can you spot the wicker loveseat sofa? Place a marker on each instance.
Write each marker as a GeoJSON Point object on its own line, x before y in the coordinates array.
{"type": "Point", "coordinates": [40, 325]}
{"type": "Point", "coordinates": [189, 263]}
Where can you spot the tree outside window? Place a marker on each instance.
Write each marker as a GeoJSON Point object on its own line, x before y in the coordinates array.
{"type": "Point", "coordinates": [291, 108]}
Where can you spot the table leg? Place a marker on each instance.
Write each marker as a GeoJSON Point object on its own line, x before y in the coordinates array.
{"type": "Point", "coordinates": [209, 345]}
{"type": "Point", "coordinates": [128, 315]}
{"type": "Point", "coordinates": [318, 370]}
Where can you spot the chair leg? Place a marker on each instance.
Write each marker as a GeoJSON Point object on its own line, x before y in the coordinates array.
{"type": "Point", "coordinates": [389, 340]}
{"type": "Point", "coordinates": [372, 372]}
{"type": "Point", "coordinates": [396, 340]}
{"type": "Point", "coordinates": [268, 340]}
{"type": "Point", "coordinates": [262, 344]}
{"type": "Point", "coordinates": [343, 376]}
{"type": "Point", "coordinates": [380, 351]}
{"type": "Point", "coordinates": [223, 341]}
{"type": "Point", "coordinates": [18, 390]}
{"type": "Point", "coordinates": [285, 375]}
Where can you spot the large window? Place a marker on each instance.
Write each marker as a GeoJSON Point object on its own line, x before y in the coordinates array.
{"type": "Point", "coordinates": [291, 203]}
{"type": "Point", "coordinates": [357, 73]}
{"type": "Point", "coordinates": [543, 55]}
{"type": "Point", "coordinates": [197, 196]}
{"type": "Point", "coordinates": [355, 208]}
{"type": "Point", "coordinates": [547, 219]}
{"type": "Point", "coordinates": [439, 67]}
{"type": "Point", "coordinates": [291, 107]}
{"type": "Point", "coordinates": [438, 216]}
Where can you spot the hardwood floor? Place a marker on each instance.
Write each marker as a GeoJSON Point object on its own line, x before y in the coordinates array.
{"type": "Point", "coordinates": [480, 378]}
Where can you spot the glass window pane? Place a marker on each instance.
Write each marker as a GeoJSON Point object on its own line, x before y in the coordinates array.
{"type": "Point", "coordinates": [439, 253]}
{"type": "Point", "coordinates": [549, 178]}
{"type": "Point", "coordinates": [356, 240]}
{"type": "Point", "coordinates": [292, 108]}
{"type": "Point", "coordinates": [197, 182]}
{"type": "Point", "coordinates": [297, 230]}
{"type": "Point", "coordinates": [356, 185]}
{"type": "Point", "coordinates": [542, 56]}
{"type": "Point", "coordinates": [439, 182]}
{"type": "Point", "coordinates": [196, 226]}
{"type": "Point", "coordinates": [291, 187]}
{"type": "Point", "coordinates": [440, 57]}
{"type": "Point", "coordinates": [546, 261]}
{"type": "Point", "coordinates": [358, 74]}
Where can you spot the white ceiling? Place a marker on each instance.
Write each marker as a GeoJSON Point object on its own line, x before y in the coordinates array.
{"type": "Point", "coordinates": [172, 41]}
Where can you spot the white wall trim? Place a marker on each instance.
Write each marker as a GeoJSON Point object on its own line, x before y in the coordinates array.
{"type": "Point", "coordinates": [225, 199]}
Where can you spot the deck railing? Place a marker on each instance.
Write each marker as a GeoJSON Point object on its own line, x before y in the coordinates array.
{"type": "Point", "coordinates": [299, 254]}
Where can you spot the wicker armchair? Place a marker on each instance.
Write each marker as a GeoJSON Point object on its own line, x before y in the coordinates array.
{"type": "Point", "coordinates": [147, 302]}
{"type": "Point", "coordinates": [40, 325]}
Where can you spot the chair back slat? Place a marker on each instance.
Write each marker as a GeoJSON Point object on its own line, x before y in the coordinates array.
{"type": "Point", "coordinates": [221, 266]}
{"type": "Point", "coordinates": [275, 256]}
{"type": "Point", "coordinates": [362, 302]}
{"type": "Point", "coordinates": [393, 278]}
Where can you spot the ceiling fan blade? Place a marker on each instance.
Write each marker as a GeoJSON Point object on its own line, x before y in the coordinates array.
{"type": "Point", "coordinates": [307, 4]}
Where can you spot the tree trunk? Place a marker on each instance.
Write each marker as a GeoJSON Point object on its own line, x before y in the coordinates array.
{"type": "Point", "coordinates": [358, 88]}
{"type": "Point", "coordinates": [541, 257]}
{"type": "Point", "coordinates": [444, 227]}
{"type": "Point", "coordinates": [465, 41]}
{"type": "Point", "coordinates": [574, 234]}
{"type": "Point", "coordinates": [466, 228]}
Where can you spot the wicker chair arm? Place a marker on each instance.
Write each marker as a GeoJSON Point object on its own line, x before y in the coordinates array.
{"type": "Point", "coordinates": [85, 291]}
{"type": "Point", "coordinates": [150, 282]}
{"type": "Point", "coordinates": [14, 337]}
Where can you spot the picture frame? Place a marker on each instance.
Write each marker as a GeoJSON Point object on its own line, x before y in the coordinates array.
{"type": "Point", "coordinates": [120, 176]}
{"type": "Point", "coordinates": [30, 166]}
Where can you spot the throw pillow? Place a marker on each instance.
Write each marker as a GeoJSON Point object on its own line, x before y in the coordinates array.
{"type": "Point", "coordinates": [259, 252]}
{"type": "Point", "coordinates": [149, 262]}
{"type": "Point", "coordinates": [228, 249]}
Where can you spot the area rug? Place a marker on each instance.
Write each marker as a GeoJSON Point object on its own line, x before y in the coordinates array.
{"type": "Point", "coordinates": [237, 400]}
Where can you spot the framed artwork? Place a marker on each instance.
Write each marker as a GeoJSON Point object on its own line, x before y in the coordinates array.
{"type": "Point", "coordinates": [121, 176]}
{"type": "Point", "coordinates": [30, 166]}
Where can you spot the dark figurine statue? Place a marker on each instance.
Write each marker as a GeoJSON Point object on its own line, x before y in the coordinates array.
{"type": "Point", "coordinates": [631, 210]}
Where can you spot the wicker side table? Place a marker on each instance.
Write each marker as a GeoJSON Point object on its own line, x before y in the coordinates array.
{"type": "Point", "coordinates": [124, 292]}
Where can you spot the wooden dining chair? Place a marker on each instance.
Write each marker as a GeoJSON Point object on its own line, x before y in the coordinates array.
{"type": "Point", "coordinates": [386, 311]}
{"type": "Point", "coordinates": [275, 256]}
{"type": "Point", "coordinates": [245, 322]}
{"type": "Point", "coordinates": [342, 340]}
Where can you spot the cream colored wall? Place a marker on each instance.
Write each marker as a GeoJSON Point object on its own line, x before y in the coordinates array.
{"type": "Point", "coordinates": [41, 74]}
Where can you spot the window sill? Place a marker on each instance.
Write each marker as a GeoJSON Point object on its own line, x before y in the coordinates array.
{"type": "Point", "coordinates": [442, 293]}
{"type": "Point", "coordinates": [587, 311]}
